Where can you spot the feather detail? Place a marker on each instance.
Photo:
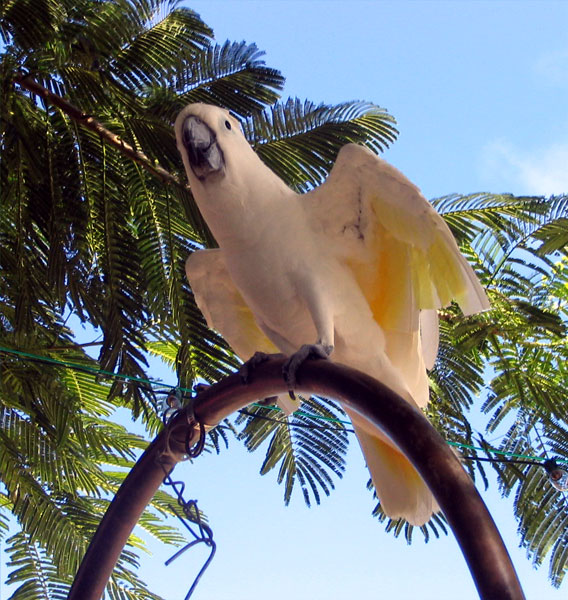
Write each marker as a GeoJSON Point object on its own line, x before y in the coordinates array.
{"type": "Point", "coordinates": [222, 304]}
{"type": "Point", "coordinates": [429, 336]}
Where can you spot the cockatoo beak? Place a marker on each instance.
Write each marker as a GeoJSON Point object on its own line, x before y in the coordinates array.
{"type": "Point", "coordinates": [200, 142]}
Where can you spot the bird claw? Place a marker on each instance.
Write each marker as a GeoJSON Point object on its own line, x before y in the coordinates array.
{"type": "Point", "coordinates": [291, 366]}
{"type": "Point", "coordinates": [248, 367]}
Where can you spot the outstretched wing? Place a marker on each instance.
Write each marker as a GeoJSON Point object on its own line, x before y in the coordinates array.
{"type": "Point", "coordinates": [222, 304]}
{"type": "Point", "coordinates": [400, 249]}
{"type": "Point", "coordinates": [401, 252]}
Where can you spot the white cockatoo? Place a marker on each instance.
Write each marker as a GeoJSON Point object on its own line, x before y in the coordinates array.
{"type": "Point", "coordinates": [354, 269]}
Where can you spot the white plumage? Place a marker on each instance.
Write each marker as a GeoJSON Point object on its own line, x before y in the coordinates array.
{"type": "Point", "coordinates": [359, 266]}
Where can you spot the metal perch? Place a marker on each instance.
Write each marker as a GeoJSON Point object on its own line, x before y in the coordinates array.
{"type": "Point", "coordinates": [479, 539]}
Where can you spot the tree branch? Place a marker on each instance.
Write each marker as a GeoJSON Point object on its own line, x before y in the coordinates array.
{"type": "Point", "coordinates": [91, 123]}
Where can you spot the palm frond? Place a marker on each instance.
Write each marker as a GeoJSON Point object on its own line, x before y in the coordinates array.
{"type": "Point", "coordinates": [37, 576]}
{"type": "Point", "coordinates": [232, 75]}
{"type": "Point", "coordinates": [308, 452]}
{"type": "Point", "coordinates": [300, 140]}
{"type": "Point", "coordinates": [160, 48]}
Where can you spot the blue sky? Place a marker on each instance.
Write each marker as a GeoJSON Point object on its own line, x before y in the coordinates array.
{"type": "Point", "coordinates": [479, 92]}
{"type": "Point", "coordinates": [478, 88]}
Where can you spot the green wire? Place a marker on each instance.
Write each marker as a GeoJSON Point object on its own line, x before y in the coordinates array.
{"type": "Point", "coordinates": [71, 365]}
{"type": "Point", "coordinates": [76, 366]}
{"type": "Point", "coordinates": [457, 444]}
{"type": "Point", "coordinates": [501, 452]}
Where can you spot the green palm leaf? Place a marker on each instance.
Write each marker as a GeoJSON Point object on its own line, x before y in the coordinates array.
{"type": "Point", "coordinates": [299, 141]}
{"type": "Point", "coordinates": [233, 75]}
{"type": "Point", "coordinates": [308, 449]}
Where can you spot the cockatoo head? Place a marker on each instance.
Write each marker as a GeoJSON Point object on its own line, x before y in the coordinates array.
{"type": "Point", "coordinates": [207, 138]}
{"type": "Point", "coordinates": [227, 179]}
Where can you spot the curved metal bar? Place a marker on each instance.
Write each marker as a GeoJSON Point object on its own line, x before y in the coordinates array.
{"type": "Point", "coordinates": [479, 539]}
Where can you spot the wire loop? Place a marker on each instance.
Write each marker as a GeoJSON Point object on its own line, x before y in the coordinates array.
{"type": "Point", "coordinates": [190, 514]}
{"type": "Point", "coordinates": [197, 449]}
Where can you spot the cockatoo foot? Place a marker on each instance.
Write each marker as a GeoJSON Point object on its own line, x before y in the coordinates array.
{"type": "Point", "coordinates": [307, 351]}
{"type": "Point", "coordinates": [245, 372]}
{"type": "Point", "coordinates": [249, 366]}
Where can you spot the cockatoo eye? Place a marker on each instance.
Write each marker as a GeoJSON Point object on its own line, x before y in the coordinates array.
{"type": "Point", "coordinates": [228, 125]}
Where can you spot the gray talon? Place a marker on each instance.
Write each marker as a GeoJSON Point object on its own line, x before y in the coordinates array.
{"type": "Point", "coordinates": [248, 367]}
{"type": "Point", "coordinates": [291, 366]}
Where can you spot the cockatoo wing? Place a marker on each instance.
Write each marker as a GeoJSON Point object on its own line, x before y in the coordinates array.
{"type": "Point", "coordinates": [430, 336]}
{"type": "Point", "coordinates": [222, 304]}
{"type": "Point", "coordinates": [400, 250]}
{"type": "Point", "coordinates": [407, 264]}
{"type": "Point", "coordinates": [398, 246]}
{"type": "Point", "coordinates": [225, 310]}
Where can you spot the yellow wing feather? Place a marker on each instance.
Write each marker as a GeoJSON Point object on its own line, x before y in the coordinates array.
{"type": "Point", "coordinates": [222, 304]}
{"type": "Point", "coordinates": [401, 251]}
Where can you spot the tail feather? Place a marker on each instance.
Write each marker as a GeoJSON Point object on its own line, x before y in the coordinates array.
{"type": "Point", "coordinates": [401, 490]}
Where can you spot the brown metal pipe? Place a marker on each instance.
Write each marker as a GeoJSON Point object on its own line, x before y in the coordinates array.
{"type": "Point", "coordinates": [462, 505]}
